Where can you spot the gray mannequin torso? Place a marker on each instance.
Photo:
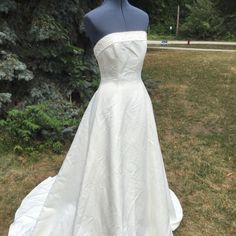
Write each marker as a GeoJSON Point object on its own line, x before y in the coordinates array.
{"type": "Point", "coordinates": [114, 16]}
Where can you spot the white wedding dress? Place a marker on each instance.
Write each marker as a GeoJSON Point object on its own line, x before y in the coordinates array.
{"type": "Point", "coordinates": [112, 181]}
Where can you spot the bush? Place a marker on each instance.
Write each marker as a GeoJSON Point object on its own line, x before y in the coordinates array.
{"type": "Point", "coordinates": [40, 124]}
{"type": "Point", "coordinates": [203, 22]}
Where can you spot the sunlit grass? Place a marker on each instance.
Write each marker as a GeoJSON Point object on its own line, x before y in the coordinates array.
{"type": "Point", "coordinates": [194, 105]}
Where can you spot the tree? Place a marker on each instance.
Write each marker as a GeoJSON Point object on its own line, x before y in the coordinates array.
{"type": "Point", "coordinates": [203, 21]}
{"type": "Point", "coordinates": [227, 11]}
{"type": "Point", "coordinates": [45, 40]}
{"type": "Point", "coordinates": [177, 20]}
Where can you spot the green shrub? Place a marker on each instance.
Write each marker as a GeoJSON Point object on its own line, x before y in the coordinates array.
{"type": "Point", "coordinates": [18, 149]}
{"type": "Point", "coordinates": [57, 147]}
{"type": "Point", "coordinates": [40, 126]}
{"type": "Point", "coordinates": [203, 21]}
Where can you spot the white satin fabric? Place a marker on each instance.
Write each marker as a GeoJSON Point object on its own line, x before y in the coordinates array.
{"type": "Point", "coordinates": [112, 181]}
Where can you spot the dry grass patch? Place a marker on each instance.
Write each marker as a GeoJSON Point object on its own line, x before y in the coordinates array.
{"type": "Point", "coordinates": [19, 179]}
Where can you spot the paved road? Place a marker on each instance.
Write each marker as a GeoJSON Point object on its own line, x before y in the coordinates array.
{"type": "Point", "coordinates": [192, 49]}
{"type": "Point", "coordinates": [158, 42]}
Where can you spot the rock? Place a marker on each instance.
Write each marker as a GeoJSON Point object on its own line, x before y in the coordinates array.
{"type": "Point", "coordinates": [69, 132]}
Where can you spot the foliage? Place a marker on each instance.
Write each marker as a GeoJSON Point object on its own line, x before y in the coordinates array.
{"type": "Point", "coordinates": [70, 74]}
{"type": "Point", "coordinates": [7, 6]}
{"type": "Point", "coordinates": [162, 14]}
{"type": "Point", "coordinates": [203, 21]}
{"type": "Point", "coordinates": [4, 98]}
{"type": "Point", "coordinates": [44, 40]}
{"type": "Point", "coordinates": [227, 11]}
{"type": "Point", "coordinates": [7, 35]}
{"type": "Point", "coordinates": [11, 68]}
{"type": "Point", "coordinates": [194, 16]}
{"type": "Point", "coordinates": [42, 123]}
{"type": "Point", "coordinates": [46, 27]}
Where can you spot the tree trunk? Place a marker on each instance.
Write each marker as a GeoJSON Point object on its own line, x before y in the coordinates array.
{"type": "Point", "coordinates": [177, 23]}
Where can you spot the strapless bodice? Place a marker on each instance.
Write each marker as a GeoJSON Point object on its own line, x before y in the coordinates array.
{"type": "Point", "coordinates": [120, 55]}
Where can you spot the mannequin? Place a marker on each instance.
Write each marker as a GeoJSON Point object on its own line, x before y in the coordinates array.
{"type": "Point", "coordinates": [114, 16]}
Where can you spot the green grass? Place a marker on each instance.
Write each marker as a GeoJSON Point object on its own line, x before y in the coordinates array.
{"type": "Point", "coordinates": [160, 37]}
{"type": "Point", "coordinates": [193, 96]}
{"type": "Point", "coordinates": [195, 113]}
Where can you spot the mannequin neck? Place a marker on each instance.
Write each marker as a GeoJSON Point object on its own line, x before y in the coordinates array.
{"type": "Point", "coordinates": [116, 3]}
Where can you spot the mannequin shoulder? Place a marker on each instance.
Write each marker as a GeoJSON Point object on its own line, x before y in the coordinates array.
{"type": "Point", "coordinates": [92, 20]}
{"type": "Point", "coordinates": [140, 15]}
{"type": "Point", "coordinates": [93, 14]}
{"type": "Point", "coordinates": [140, 11]}
{"type": "Point", "coordinates": [89, 20]}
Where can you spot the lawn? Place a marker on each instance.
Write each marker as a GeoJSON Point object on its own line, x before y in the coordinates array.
{"type": "Point", "coordinates": [194, 103]}
{"type": "Point", "coordinates": [193, 95]}
{"type": "Point", "coordinates": [160, 37]}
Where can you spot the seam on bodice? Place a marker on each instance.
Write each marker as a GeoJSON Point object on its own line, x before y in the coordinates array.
{"type": "Point", "coordinates": [114, 37]}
